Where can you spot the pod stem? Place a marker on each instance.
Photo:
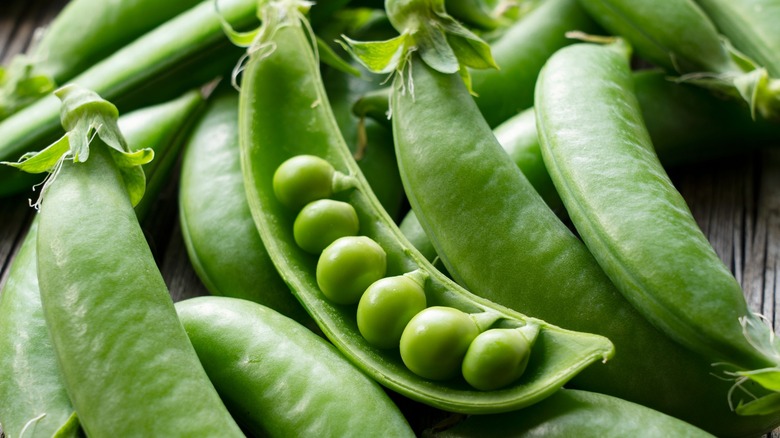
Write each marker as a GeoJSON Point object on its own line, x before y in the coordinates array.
{"type": "Point", "coordinates": [419, 276]}
{"type": "Point", "coordinates": [86, 117]}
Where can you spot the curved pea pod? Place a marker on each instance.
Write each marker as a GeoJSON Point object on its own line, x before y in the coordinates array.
{"type": "Point", "coordinates": [32, 393]}
{"type": "Point", "coordinates": [751, 25]}
{"type": "Point", "coordinates": [571, 412]}
{"type": "Point", "coordinates": [631, 217]}
{"type": "Point", "coordinates": [280, 89]}
{"type": "Point", "coordinates": [520, 53]}
{"type": "Point", "coordinates": [83, 33]}
{"type": "Point", "coordinates": [487, 14]}
{"type": "Point", "coordinates": [280, 379]}
{"type": "Point", "coordinates": [219, 233]}
{"type": "Point", "coordinates": [110, 315]}
{"type": "Point", "coordinates": [681, 38]}
{"type": "Point", "coordinates": [184, 52]}
{"type": "Point", "coordinates": [498, 238]}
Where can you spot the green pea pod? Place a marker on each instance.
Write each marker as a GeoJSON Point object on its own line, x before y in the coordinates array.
{"type": "Point", "coordinates": [751, 25]}
{"type": "Point", "coordinates": [31, 386]}
{"type": "Point", "coordinates": [217, 227]}
{"type": "Point", "coordinates": [520, 52]}
{"type": "Point", "coordinates": [631, 217]}
{"type": "Point", "coordinates": [110, 316]}
{"type": "Point", "coordinates": [83, 33]}
{"type": "Point", "coordinates": [183, 53]}
{"type": "Point", "coordinates": [281, 88]}
{"type": "Point", "coordinates": [685, 123]}
{"type": "Point", "coordinates": [571, 412]}
{"type": "Point", "coordinates": [679, 37]}
{"type": "Point", "coordinates": [249, 351]}
{"type": "Point", "coordinates": [498, 238]}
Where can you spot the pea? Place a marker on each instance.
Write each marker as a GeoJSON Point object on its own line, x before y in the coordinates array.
{"type": "Point", "coordinates": [435, 340]}
{"type": "Point", "coordinates": [302, 179]}
{"type": "Point", "coordinates": [323, 221]}
{"type": "Point", "coordinates": [388, 305]}
{"type": "Point", "coordinates": [496, 358]}
{"type": "Point", "coordinates": [348, 266]}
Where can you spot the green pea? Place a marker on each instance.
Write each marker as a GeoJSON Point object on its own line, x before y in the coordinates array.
{"type": "Point", "coordinates": [323, 221]}
{"type": "Point", "coordinates": [302, 179]}
{"type": "Point", "coordinates": [348, 266]}
{"type": "Point", "coordinates": [435, 340]}
{"type": "Point", "coordinates": [387, 306]}
{"type": "Point", "coordinates": [496, 358]}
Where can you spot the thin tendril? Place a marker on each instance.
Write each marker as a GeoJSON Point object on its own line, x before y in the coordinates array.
{"type": "Point", "coordinates": [29, 423]}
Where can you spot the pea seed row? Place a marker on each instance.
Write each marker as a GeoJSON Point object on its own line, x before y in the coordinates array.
{"type": "Point", "coordinates": [435, 342]}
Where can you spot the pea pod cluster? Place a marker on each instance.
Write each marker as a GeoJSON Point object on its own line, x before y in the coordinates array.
{"type": "Point", "coordinates": [281, 88]}
{"type": "Point", "coordinates": [83, 33]}
{"type": "Point", "coordinates": [485, 220]}
{"type": "Point", "coordinates": [631, 217]}
{"type": "Point", "coordinates": [180, 54]}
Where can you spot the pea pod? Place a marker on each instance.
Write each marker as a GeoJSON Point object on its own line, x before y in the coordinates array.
{"type": "Point", "coordinates": [751, 25]}
{"type": "Point", "coordinates": [631, 217]}
{"type": "Point", "coordinates": [281, 88]}
{"type": "Point", "coordinates": [217, 227]}
{"type": "Point", "coordinates": [183, 53]}
{"type": "Point", "coordinates": [32, 390]}
{"type": "Point", "coordinates": [486, 221]}
{"type": "Point", "coordinates": [681, 38]}
{"type": "Point", "coordinates": [111, 318]}
{"type": "Point", "coordinates": [571, 412]}
{"type": "Point", "coordinates": [323, 395]}
{"type": "Point", "coordinates": [83, 33]}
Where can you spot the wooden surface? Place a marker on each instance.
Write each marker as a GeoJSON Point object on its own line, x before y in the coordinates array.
{"type": "Point", "coordinates": [735, 200]}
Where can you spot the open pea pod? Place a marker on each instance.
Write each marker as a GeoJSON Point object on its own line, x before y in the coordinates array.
{"type": "Point", "coordinates": [284, 112]}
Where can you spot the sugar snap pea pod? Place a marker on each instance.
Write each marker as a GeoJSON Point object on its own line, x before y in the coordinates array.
{"type": "Point", "coordinates": [281, 88]}
{"type": "Point", "coordinates": [679, 37]}
{"type": "Point", "coordinates": [751, 25]}
{"type": "Point", "coordinates": [32, 393]}
{"type": "Point", "coordinates": [216, 224]}
{"type": "Point", "coordinates": [279, 379]}
{"type": "Point", "coordinates": [630, 215]}
{"type": "Point", "coordinates": [499, 239]}
{"type": "Point", "coordinates": [84, 32]}
{"type": "Point", "coordinates": [110, 316]}
{"type": "Point", "coordinates": [182, 53]}
{"type": "Point", "coordinates": [571, 412]}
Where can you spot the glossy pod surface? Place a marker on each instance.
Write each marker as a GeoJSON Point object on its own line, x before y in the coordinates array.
{"type": "Point", "coordinates": [627, 210]}
{"type": "Point", "coordinates": [283, 113]}
{"type": "Point", "coordinates": [281, 380]}
{"type": "Point", "coordinates": [466, 192]}
{"type": "Point", "coordinates": [219, 233]}
{"type": "Point", "coordinates": [31, 382]}
{"type": "Point", "coordinates": [110, 314]}
{"type": "Point", "coordinates": [572, 412]}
